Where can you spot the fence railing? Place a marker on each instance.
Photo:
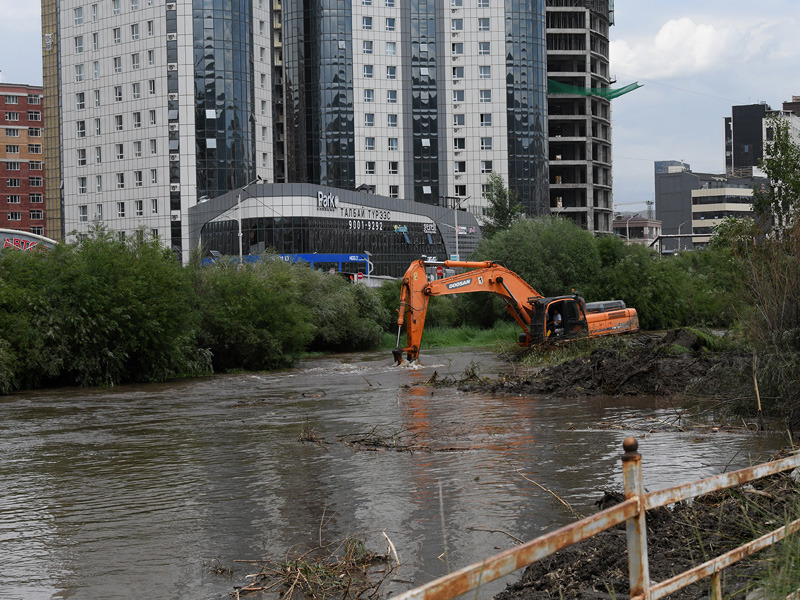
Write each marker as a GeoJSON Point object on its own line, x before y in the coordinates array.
{"type": "Point", "coordinates": [632, 512]}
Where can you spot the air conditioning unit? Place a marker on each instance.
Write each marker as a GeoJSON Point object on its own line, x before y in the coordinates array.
{"type": "Point", "coordinates": [174, 157]}
{"type": "Point", "coordinates": [172, 66]}
{"type": "Point", "coordinates": [172, 37]}
{"type": "Point", "coordinates": [174, 187]}
{"type": "Point", "coordinates": [174, 126]}
{"type": "Point", "coordinates": [173, 96]}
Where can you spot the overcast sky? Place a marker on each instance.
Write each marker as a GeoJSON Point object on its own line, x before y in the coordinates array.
{"type": "Point", "coordinates": [696, 59]}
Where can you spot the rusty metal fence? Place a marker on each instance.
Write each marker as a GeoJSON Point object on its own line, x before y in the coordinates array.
{"type": "Point", "coordinates": [632, 512]}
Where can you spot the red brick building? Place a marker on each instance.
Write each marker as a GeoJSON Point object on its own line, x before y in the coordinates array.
{"type": "Point", "coordinates": [22, 171]}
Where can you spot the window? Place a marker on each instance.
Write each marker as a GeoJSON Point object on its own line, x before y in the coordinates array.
{"type": "Point", "coordinates": [78, 72]}
{"type": "Point", "coordinates": [81, 157]}
{"type": "Point", "coordinates": [12, 116]}
{"type": "Point", "coordinates": [80, 100]}
{"type": "Point", "coordinates": [121, 184]}
{"type": "Point", "coordinates": [34, 115]}
{"type": "Point", "coordinates": [366, 22]}
{"type": "Point", "coordinates": [37, 230]}
{"type": "Point", "coordinates": [486, 120]}
{"type": "Point", "coordinates": [35, 148]}
{"type": "Point", "coordinates": [391, 120]}
{"type": "Point", "coordinates": [389, 3]}
{"type": "Point", "coordinates": [36, 198]}
{"type": "Point", "coordinates": [120, 209]}
{"type": "Point", "coordinates": [392, 144]}
{"type": "Point", "coordinates": [391, 72]}
{"type": "Point", "coordinates": [137, 119]}
{"type": "Point", "coordinates": [98, 211]}
{"type": "Point", "coordinates": [115, 8]}
{"type": "Point", "coordinates": [137, 182]}
{"type": "Point", "coordinates": [13, 149]}
{"type": "Point", "coordinates": [456, 24]}
{"type": "Point", "coordinates": [95, 41]}
{"type": "Point", "coordinates": [136, 90]}
{"type": "Point", "coordinates": [80, 128]}
{"type": "Point", "coordinates": [34, 99]}
{"type": "Point", "coordinates": [153, 147]}
{"type": "Point", "coordinates": [369, 95]}
{"type": "Point", "coordinates": [458, 72]}
{"type": "Point", "coordinates": [117, 93]}
{"type": "Point", "coordinates": [94, 13]}
{"type": "Point", "coordinates": [14, 199]}
{"type": "Point", "coordinates": [151, 86]}
{"type": "Point", "coordinates": [78, 12]}
{"type": "Point", "coordinates": [394, 191]}
{"type": "Point", "coordinates": [485, 72]}
{"type": "Point", "coordinates": [12, 166]}
{"type": "Point", "coordinates": [137, 149]}
{"type": "Point", "coordinates": [369, 143]}
{"type": "Point", "coordinates": [120, 151]}
{"type": "Point", "coordinates": [117, 122]}
{"type": "Point", "coordinates": [98, 155]}
{"type": "Point", "coordinates": [117, 32]}
{"type": "Point", "coordinates": [485, 95]}
{"type": "Point", "coordinates": [263, 80]}
{"type": "Point", "coordinates": [97, 127]}
{"type": "Point", "coordinates": [138, 206]}
{"type": "Point", "coordinates": [154, 176]}
{"type": "Point", "coordinates": [459, 120]}
{"type": "Point", "coordinates": [12, 183]}
{"type": "Point", "coordinates": [34, 132]}
{"type": "Point", "coordinates": [368, 70]}
{"type": "Point", "coordinates": [461, 190]}
{"type": "Point", "coordinates": [456, 3]}
{"type": "Point", "coordinates": [483, 24]}
{"type": "Point", "coordinates": [135, 62]}
{"type": "Point", "coordinates": [152, 117]}
{"type": "Point", "coordinates": [98, 183]}
{"type": "Point", "coordinates": [391, 96]}
{"type": "Point", "coordinates": [457, 48]}
{"type": "Point", "coordinates": [461, 166]}
{"type": "Point", "coordinates": [78, 44]}
{"type": "Point", "coordinates": [96, 69]}
{"type": "Point", "coordinates": [369, 119]}
{"type": "Point", "coordinates": [367, 47]}
{"type": "Point", "coordinates": [485, 190]}
{"type": "Point", "coordinates": [154, 206]}
{"type": "Point", "coordinates": [393, 167]}
{"type": "Point", "coordinates": [83, 213]}
{"type": "Point", "coordinates": [117, 62]}
{"type": "Point", "coordinates": [15, 216]}
{"type": "Point", "coordinates": [483, 3]}
{"type": "Point", "coordinates": [151, 30]}
{"type": "Point", "coordinates": [370, 167]}
{"type": "Point", "coordinates": [391, 48]}
{"type": "Point", "coordinates": [486, 143]}
{"type": "Point", "coordinates": [458, 96]}
{"type": "Point", "coordinates": [486, 166]}
{"type": "Point", "coordinates": [12, 100]}
{"type": "Point", "coordinates": [12, 132]}
{"type": "Point", "coordinates": [459, 143]}
{"type": "Point", "coordinates": [484, 48]}
{"type": "Point", "coordinates": [135, 31]}
{"type": "Point", "coordinates": [390, 23]}
{"type": "Point", "coordinates": [36, 165]}
{"type": "Point", "coordinates": [81, 185]}
{"type": "Point", "coordinates": [134, 4]}
{"type": "Point", "coordinates": [151, 57]}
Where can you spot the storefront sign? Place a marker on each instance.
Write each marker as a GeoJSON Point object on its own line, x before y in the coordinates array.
{"type": "Point", "coordinates": [327, 201]}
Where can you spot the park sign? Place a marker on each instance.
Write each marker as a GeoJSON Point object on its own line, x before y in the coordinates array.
{"type": "Point", "coordinates": [22, 240]}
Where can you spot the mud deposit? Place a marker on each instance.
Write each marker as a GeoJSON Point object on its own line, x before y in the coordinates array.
{"type": "Point", "coordinates": [645, 364]}
{"type": "Point", "coordinates": [679, 537]}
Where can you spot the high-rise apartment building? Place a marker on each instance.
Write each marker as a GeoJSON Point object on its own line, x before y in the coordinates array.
{"type": "Point", "coordinates": [21, 158]}
{"type": "Point", "coordinates": [580, 111]}
{"type": "Point", "coordinates": [166, 103]}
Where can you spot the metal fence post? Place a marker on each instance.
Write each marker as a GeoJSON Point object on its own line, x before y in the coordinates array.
{"type": "Point", "coordinates": [636, 526]}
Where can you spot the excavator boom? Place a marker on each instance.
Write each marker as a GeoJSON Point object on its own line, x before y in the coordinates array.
{"type": "Point", "coordinates": [532, 312]}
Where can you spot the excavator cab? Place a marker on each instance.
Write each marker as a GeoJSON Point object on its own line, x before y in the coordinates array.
{"type": "Point", "coordinates": [558, 318]}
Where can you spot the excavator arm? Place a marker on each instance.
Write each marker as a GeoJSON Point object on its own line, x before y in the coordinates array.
{"type": "Point", "coordinates": [485, 276]}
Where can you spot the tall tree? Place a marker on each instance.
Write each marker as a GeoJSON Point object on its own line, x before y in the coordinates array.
{"type": "Point", "coordinates": [781, 163]}
{"type": "Point", "coordinates": [504, 207]}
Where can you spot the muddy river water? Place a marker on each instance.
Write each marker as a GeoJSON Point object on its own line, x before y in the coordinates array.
{"type": "Point", "coordinates": [140, 491]}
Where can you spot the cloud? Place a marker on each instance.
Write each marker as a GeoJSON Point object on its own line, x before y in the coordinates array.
{"type": "Point", "coordinates": [684, 48]}
{"type": "Point", "coordinates": [20, 16]}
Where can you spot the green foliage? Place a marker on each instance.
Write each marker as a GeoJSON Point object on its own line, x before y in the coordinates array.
{"type": "Point", "coordinates": [781, 163]}
{"type": "Point", "coordinates": [504, 207]}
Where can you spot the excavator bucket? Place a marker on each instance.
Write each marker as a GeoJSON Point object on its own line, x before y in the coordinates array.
{"type": "Point", "coordinates": [397, 353]}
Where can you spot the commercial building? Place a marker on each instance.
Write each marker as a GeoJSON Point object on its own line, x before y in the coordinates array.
{"type": "Point", "coordinates": [580, 111]}
{"type": "Point", "coordinates": [22, 199]}
{"type": "Point", "coordinates": [637, 230]}
{"type": "Point", "coordinates": [164, 104]}
{"type": "Point", "coordinates": [713, 204]}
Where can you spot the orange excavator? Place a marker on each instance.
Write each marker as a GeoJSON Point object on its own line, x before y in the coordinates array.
{"type": "Point", "coordinates": [557, 318]}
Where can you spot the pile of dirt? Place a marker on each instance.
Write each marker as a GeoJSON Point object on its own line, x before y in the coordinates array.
{"type": "Point", "coordinates": [638, 365]}
{"type": "Point", "coordinates": [678, 538]}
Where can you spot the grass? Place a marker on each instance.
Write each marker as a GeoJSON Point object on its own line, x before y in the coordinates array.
{"type": "Point", "coordinates": [504, 334]}
{"type": "Point", "coordinates": [556, 354]}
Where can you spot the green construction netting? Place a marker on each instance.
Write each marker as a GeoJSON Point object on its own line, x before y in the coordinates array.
{"type": "Point", "coordinates": [554, 87]}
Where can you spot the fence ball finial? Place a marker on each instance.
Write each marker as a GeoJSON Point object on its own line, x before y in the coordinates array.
{"type": "Point", "coordinates": [630, 444]}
